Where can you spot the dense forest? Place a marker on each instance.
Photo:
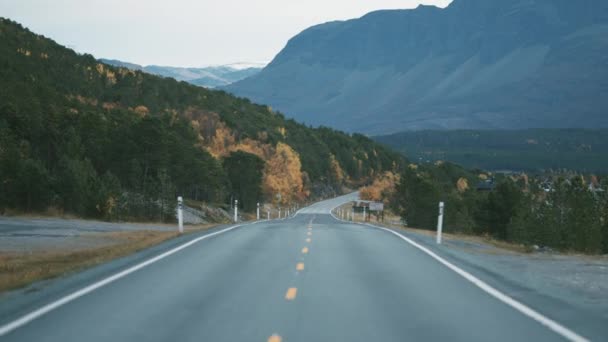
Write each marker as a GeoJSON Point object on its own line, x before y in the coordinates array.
{"type": "Point", "coordinates": [94, 140]}
{"type": "Point", "coordinates": [521, 150]}
{"type": "Point", "coordinates": [564, 211]}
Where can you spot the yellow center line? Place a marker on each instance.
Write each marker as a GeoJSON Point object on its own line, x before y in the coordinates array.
{"type": "Point", "coordinates": [291, 293]}
{"type": "Point", "coordinates": [308, 240]}
{"type": "Point", "coordinates": [274, 338]}
{"type": "Point", "coordinates": [300, 266]}
{"type": "Point", "coordinates": [305, 250]}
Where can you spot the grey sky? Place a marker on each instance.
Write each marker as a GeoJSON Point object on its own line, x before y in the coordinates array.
{"type": "Point", "coordinates": [185, 32]}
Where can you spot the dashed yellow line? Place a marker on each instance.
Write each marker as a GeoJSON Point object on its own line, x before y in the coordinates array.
{"type": "Point", "coordinates": [305, 250]}
{"type": "Point", "coordinates": [308, 240]}
{"type": "Point", "coordinates": [291, 293]}
{"type": "Point", "coordinates": [300, 266]}
{"type": "Point", "coordinates": [274, 338]}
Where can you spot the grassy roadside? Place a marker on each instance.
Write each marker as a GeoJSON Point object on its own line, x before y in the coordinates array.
{"type": "Point", "coordinates": [21, 269]}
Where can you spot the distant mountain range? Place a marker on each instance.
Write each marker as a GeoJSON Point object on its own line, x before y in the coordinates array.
{"type": "Point", "coordinates": [475, 64]}
{"type": "Point", "coordinates": [209, 77]}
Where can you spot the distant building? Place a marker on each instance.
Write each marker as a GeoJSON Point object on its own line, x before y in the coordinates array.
{"type": "Point", "coordinates": [486, 185]}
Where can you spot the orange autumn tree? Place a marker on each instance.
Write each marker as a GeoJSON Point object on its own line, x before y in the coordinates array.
{"type": "Point", "coordinates": [381, 189]}
{"type": "Point", "coordinates": [283, 175]}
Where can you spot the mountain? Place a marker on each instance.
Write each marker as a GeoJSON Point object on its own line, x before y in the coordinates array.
{"type": "Point", "coordinates": [97, 140]}
{"type": "Point", "coordinates": [475, 64]}
{"type": "Point", "coordinates": [528, 150]}
{"type": "Point", "coordinates": [209, 77]}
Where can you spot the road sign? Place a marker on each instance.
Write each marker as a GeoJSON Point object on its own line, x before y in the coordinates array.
{"type": "Point", "coordinates": [376, 206]}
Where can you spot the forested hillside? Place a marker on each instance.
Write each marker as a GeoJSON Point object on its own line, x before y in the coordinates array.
{"type": "Point", "coordinates": [519, 150]}
{"type": "Point", "coordinates": [564, 211]}
{"type": "Point", "coordinates": [101, 141]}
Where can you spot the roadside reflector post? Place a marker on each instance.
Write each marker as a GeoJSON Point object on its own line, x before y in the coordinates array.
{"type": "Point", "coordinates": [364, 218]}
{"type": "Point", "coordinates": [258, 212]}
{"type": "Point", "coordinates": [236, 210]}
{"type": "Point", "coordinates": [180, 214]}
{"type": "Point", "coordinates": [279, 213]}
{"type": "Point", "coordinates": [440, 223]}
{"type": "Point", "coordinates": [268, 215]}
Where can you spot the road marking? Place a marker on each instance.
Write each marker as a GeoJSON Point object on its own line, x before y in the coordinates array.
{"type": "Point", "coordinates": [522, 308]}
{"type": "Point", "coordinates": [300, 266]}
{"type": "Point", "coordinates": [308, 240]}
{"type": "Point", "coordinates": [23, 320]}
{"type": "Point", "coordinates": [291, 293]}
{"type": "Point", "coordinates": [305, 250]}
{"type": "Point", "coordinates": [274, 338]}
{"type": "Point", "coordinates": [309, 233]}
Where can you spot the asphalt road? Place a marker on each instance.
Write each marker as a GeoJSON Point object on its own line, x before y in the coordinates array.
{"type": "Point", "coordinates": [307, 278]}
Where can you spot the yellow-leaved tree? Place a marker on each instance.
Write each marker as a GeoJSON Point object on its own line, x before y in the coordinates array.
{"type": "Point", "coordinates": [283, 176]}
{"type": "Point", "coordinates": [336, 170]}
{"type": "Point", "coordinates": [381, 189]}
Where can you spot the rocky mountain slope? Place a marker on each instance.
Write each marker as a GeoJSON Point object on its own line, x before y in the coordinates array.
{"type": "Point", "coordinates": [475, 64]}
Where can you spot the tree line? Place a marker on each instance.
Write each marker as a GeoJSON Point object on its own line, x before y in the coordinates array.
{"type": "Point", "coordinates": [560, 211]}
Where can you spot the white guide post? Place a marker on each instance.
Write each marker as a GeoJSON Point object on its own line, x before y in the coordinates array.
{"type": "Point", "coordinates": [440, 222]}
{"type": "Point", "coordinates": [258, 212]}
{"type": "Point", "coordinates": [279, 213]}
{"type": "Point", "coordinates": [236, 210]}
{"type": "Point", "coordinates": [268, 215]}
{"type": "Point", "coordinates": [180, 214]}
{"type": "Point", "coordinates": [363, 214]}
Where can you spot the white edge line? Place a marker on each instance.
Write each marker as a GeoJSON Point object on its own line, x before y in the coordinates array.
{"type": "Point", "coordinates": [522, 308]}
{"type": "Point", "coordinates": [23, 320]}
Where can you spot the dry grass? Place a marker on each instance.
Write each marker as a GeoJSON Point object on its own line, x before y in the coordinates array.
{"type": "Point", "coordinates": [20, 269]}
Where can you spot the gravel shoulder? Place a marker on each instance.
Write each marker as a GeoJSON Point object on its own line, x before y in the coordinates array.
{"type": "Point", "coordinates": [576, 279]}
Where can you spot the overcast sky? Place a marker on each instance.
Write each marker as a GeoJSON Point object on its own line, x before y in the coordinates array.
{"type": "Point", "coordinates": [185, 32]}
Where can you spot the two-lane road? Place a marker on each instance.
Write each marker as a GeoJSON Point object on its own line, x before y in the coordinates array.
{"type": "Point", "coordinates": [308, 278]}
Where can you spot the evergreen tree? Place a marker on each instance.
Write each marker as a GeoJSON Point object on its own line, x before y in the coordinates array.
{"type": "Point", "coordinates": [244, 172]}
{"type": "Point", "coordinates": [418, 196]}
{"type": "Point", "coordinates": [500, 207]}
